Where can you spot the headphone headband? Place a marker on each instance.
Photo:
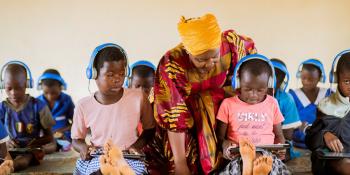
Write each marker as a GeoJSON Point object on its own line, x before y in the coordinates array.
{"type": "Point", "coordinates": [235, 78]}
{"type": "Point", "coordinates": [91, 72]}
{"type": "Point", "coordinates": [333, 73]}
{"type": "Point", "coordinates": [316, 63]}
{"type": "Point", "coordinates": [29, 74]}
{"type": "Point", "coordinates": [51, 76]}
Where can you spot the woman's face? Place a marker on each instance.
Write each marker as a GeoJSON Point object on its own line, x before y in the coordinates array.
{"type": "Point", "coordinates": [205, 62]}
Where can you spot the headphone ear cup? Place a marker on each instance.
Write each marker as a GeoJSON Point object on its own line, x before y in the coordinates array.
{"type": "Point", "coordinates": [29, 83]}
{"type": "Point", "coordinates": [237, 83]}
{"type": "Point", "coordinates": [298, 74]}
{"type": "Point", "coordinates": [335, 77]}
{"type": "Point", "coordinates": [2, 85]}
{"type": "Point", "coordinates": [270, 83]}
{"type": "Point", "coordinates": [93, 73]}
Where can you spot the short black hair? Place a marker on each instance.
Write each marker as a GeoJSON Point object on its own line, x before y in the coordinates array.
{"type": "Point", "coordinates": [108, 54]}
{"type": "Point", "coordinates": [255, 67]}
{"type": "Point", "coordinates": [15, 70]}
{"type": "Point", "coordinates": [143, 71]}
{"type": "Point", "coordinates": [343, 64]}
{"type": "Point", "coordinates": [51, 82]}
{"type": "Point", "coordinates": [312, 68]}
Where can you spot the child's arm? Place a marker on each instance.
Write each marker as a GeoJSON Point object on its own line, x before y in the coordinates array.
{"type": "Point", "coordinates": [277, 130]}
{"type": "Point", "coordinates": [148, 124]}
{"type": "Point", "coordinates": [221, 129]}
{"type": "Point", "coordinates": [3, 150]}
{"type": "Point", "coordinates": [80, 146]}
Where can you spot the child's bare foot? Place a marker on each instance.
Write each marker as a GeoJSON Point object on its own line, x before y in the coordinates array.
{"type": "Point", "coordinates": [247, 151]}
{"type": "Point", "coordinates": [112, 162]}
{"type": "Point", "coordinates": [262, 165]}
{"type": "Point", "coordinates": [6, 167]}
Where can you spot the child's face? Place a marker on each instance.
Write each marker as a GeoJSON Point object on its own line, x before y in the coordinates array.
{"type": "Point", "coordinates": [111, 77]}
{"type": "Point", "coordinates": [145, 83]}
{"type": "Point", "coordinates": [309, 79]}
{"type": "Point", "coordinates": [15, 88]}
{"type": "Point", "coordinates": [279, 77]}
{"type": "Point", "coordinates": [344, 83]}
{"type": "Point", "coordinates": [253, 88]}
{"type": "Point", "coordinates": [52, 93]}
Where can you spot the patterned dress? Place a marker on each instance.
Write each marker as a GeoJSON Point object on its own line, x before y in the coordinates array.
{"type": "Point", "coordinates": [187, 102]}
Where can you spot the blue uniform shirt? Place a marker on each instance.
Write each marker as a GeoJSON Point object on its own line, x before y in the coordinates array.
{"type": "Point", "coordinates": [288, 110]}
{"type": "Point", "coordinates": [62, 112]}
{"type": "Point", "coordinates": [3, 134]}
{"type": "Point", "coordinates": [307, 111]}
{"type": "Point", "coordinates": [24, 123]}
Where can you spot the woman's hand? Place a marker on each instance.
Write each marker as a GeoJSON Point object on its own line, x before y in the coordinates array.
{"type": "Point", "coordinates": [333, 142]}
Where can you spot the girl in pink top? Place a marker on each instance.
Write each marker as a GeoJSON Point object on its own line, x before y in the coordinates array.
{"type": "Point", "coordinates": [111, 113]}
{"type": "Point", "coordinates": [251, 118]}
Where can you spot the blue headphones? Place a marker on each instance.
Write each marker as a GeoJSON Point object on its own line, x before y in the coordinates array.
{"type": "Point", "coordinates": [316, 63]}
{"type": "Point", "coordinates": [51, 76]}
{"type": "Point", "coordinates": [29, 74]}
{"type": "Point", "coordinates": [139, 63]}
{"type": "Point", "coordinates": [284, 69]}
{"type": "Point", "coordinates": [91, 72]}
{"type": "Point", "coordinates": [333, 74]}
{"type": "Point", "coordinates": [235, 78]}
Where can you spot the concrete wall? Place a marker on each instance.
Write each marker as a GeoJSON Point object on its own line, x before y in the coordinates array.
{"type": "Point", "coordinates": [61, 34]}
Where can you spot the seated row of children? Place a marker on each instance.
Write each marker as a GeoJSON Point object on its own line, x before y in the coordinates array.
{"type": "Point", "coordinates": [35, 122]}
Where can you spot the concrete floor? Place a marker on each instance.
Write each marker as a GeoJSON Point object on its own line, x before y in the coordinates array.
{"type": "Point", "coordinates": [64, 163]}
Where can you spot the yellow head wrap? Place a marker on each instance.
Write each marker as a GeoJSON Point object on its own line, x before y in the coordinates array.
{"type": "Point", "coordinates": [200, 34]}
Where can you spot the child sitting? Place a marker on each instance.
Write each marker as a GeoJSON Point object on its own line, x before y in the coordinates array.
{"type": "Point", "coordinates": [27, 120]}
{"type": "Point", "coordinates": [308, 96]}
{"type": "Point", "coordinates": [6, 166]}
{"type": "Point", "coordinates": [111, 113]}
{"type": "Point", "coordinates": [331, 130]}
{"type": "Point", "coordinates": [250, 119]}
{"type": "Point", "coordinates": [285, 100]}
{"type": "Point", "coordinates": [60, 104]}
{"type": "Point", "coordinates": [142, 76]}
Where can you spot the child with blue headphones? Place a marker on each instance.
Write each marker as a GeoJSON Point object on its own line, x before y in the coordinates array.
{"type": "Point", "coordinates": [142, 76]}
{"type": "Point", "coordinates": [61, 105]}
{"type": "Point", "coordinates": [28, 121]}
{"type": "Point", "coordinates": [306, 98]}
{"type": "Point", "coordinates": [250, 119]}
{"type": "Point", "coordinates": [285, 100]}
{"type": "Point", "coordinates": [286, 104]}
{"type": "Point", "coordinates": [331, 130]}
{"type": "Point", "coordinates": [112, 113]}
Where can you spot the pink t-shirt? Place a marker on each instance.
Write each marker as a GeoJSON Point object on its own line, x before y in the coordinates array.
{"type": "Point", "coordinates": [117, 121]}
{"type": "Point", "coordinates": [252, 121]}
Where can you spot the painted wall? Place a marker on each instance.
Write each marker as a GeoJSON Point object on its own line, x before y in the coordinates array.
{"type": "Point", "coordinates": [61, 34]}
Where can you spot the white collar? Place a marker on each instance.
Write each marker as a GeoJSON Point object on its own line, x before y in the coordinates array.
{"type": "Point", "coordinates": [305, 101]}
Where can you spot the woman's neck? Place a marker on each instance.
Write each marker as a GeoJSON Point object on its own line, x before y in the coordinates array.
{"type": "Point", "coordinates": [107, 99]}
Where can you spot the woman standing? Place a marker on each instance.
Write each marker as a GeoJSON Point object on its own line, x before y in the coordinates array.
{"type": "Point", "coordinates": [191, 81]}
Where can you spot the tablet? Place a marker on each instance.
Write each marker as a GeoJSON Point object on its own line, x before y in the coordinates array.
{"type": "Point", "coordinates": [326, 154]}
{"type": "Point", "coordinates": [266, 147]}
{"type": "Point", "coordinates": [23, 150]}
